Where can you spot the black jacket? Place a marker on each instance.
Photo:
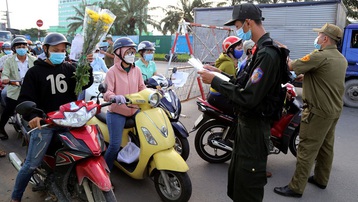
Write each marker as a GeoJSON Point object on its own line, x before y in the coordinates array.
{"type": "Point", "coordinates": [50, 86]}
{"type": "Point", "coordinates": [251, 99]}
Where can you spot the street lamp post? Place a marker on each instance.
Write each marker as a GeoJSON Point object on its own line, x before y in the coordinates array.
{"type": "Point", "coordinates": [7, 15]}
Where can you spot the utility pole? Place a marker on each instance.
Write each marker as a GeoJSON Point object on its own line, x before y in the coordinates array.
{"type": "Point", "coordinates": [7, 15]}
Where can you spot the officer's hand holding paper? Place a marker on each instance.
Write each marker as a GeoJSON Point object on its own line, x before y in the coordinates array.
{"type": "Point", "coordinates": [207, 76]}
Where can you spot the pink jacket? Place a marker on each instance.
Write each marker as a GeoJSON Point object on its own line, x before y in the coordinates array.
{"type": "Point", "coordinates": [119, 82]}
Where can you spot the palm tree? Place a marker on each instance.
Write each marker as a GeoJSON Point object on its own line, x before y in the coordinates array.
{"type": "Point", "coordinates": [184, 10]}
{"type": "Point", "coordinates": [77, 20]}
{"type": "Point", "coordinates": [133, 15]}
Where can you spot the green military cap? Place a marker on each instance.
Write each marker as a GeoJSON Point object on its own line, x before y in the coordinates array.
{"type": "Point", "coordinates": [331, 30]}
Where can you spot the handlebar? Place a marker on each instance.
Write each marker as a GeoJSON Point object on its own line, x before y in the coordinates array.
{"type": "Point", "coordinates": [42, 126]}
{"type": "Point", "coordinates": [13, 82]}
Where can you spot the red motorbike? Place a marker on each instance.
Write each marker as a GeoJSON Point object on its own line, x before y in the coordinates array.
{"type": "Point", "coordinates": [216, 130]}
{"type": "Point", "coordinates": [73, 168]}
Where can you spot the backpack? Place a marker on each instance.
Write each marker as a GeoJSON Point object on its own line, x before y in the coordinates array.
{"type": "Point", "coordinates": [285, 76]}
{"type": "Point", "coordinates": [273, 102]}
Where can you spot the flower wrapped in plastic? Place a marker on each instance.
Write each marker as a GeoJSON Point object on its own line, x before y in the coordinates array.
{"type": "Point", "coordinates": [96, 25]}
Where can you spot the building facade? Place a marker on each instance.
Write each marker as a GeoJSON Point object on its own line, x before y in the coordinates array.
{"type": "Point", "coordinates": [65, 10]}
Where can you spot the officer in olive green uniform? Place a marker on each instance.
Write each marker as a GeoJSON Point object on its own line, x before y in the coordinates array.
{"type": "Point", "coordinates": [247, 171]}
{"type": "Point", "coordinates": [108, 55]}
{"type": "Point", "coordinates": [323, 86]}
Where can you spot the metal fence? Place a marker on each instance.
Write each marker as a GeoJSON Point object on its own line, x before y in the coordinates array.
{"type": "Point", "coordinates": [191, 88]}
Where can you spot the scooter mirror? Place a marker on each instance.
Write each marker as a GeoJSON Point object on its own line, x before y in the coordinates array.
{"type": "Point", "coordinates": [102, 88]}
{"type": "Point", "coordinates": [174, 70]}
{"type": "Point", "coordinates": [25, 107]}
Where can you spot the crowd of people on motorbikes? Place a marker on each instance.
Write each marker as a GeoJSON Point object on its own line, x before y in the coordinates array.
{"type": "Point", "coordinates": [42, 73]}
{"type": "Point", "coordinates": [22, 63]}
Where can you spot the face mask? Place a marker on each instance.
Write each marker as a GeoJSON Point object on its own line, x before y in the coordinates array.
{"type": "Point", "coordinates": [95, 55]}
{"type": "Point", "coordinates": [38, 45]}
{"type": "Point", "coordinates": [238, 53]}
{"type": "Point", "coordinates": [241, 34]}
{"type": "Point", "coordinates": [8, 52]}
{"type": "Point", "coordinates": [148, 57]}
{"type": "Point", "coordinates": [129, 59]}
{"type": "Point", "coordinates": [21, 51]}
{"type": "Point", "coordinates": [57, 58]}
{"type": "Point", "coordinates": [316, 45]}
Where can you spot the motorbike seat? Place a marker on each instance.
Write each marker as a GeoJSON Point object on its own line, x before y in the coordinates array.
{"type": "Point", "coordinates": [130, 123]}
{"type": "Point", "coordinates": [205, 102]}
{"type": "Point", "coordinates": [102, 117]}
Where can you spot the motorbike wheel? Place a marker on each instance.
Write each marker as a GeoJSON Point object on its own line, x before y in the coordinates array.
{"type": "Point", "coordinates": [179, 183]}
{"type": "Point", "coordinates": [295, 139]}
{"type": "Point", "coordinates": [208, 131]}
{"type": "Point", "coordinates": [99, 195]}
{"type": "Point", "coordinates": [182, 146]}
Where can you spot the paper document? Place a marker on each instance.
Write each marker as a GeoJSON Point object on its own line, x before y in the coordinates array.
{"type": "Point", "coordinates": [180, 78]}
{"type": "Point", "coordinates": [196, 63]}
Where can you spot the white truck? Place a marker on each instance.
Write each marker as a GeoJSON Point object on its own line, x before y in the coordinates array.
{"type": "Point", "coordinates": [292, 24]}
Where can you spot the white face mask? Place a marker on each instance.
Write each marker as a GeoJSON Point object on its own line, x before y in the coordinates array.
{"type": "Point", "coordinates": [129, 59]}
{"type": "Point", "coordinates": [95, 55]}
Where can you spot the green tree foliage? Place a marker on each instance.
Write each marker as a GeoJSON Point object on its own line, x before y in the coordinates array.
{"type": "Point", "coordinates": [352, 7]}
{"type": "Point", "coordinates": [132, 16]}
{"type": "Point", "coordinates": [77, 20]}
{"type": "Point", "coordinates": [33, 32]}
{"type": "Point", "coordinates": [183, 10]}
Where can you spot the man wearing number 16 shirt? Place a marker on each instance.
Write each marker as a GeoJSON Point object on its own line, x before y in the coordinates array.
{"type": "Point", "coordinates": [50, 84]}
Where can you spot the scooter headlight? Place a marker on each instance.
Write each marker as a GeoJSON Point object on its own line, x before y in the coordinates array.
{"type": "Point", "coordinates": [77, 118]}
{"type": "Point", "coordinates": [148, 136]}
{"type": "Point", "coordinates": [154, 99]}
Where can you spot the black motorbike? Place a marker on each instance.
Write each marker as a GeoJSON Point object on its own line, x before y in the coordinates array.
{"type": "Point", "coordinates": [171, 104]}
{"type": "Point", "coordinates": [215, 136]}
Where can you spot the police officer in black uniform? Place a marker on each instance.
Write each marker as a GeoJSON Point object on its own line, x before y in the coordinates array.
{"type": "Point", "coordinates": [250, 95]}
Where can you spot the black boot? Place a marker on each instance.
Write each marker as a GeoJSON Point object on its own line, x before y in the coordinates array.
{"type": "Point", "coordinates": [3, 134]}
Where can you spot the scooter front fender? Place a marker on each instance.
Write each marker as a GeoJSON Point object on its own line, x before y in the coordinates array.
{"type": "Point", "coordinates": [168, 160]}
{"type": "Point", "coordinates": [180, 129]}
{"type": "Point", "coordinates": [95, 169]}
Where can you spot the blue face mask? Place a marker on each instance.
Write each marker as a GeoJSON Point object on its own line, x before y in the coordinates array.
{"type": "Point", "coordinates": [39, 45]}
{"type": "Point", "coordinates": [316, 45]}
{"type": "Point", "coordinates": [21, 51]}
{"type": "Point", "coordinates": [241, 34]}
{"type": "Point", "coordinates": [8, 52]}
{"type": "Point", "coordinates": [238, 53]}
{"type": "Point", "coordinates": [57, 58]}
{"type": "Point", "coordinates": [148, 57]}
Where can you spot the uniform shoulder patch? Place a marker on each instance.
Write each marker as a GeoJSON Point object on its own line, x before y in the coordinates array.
{"type": "Point", "coordinates": [256, 75]}
{"type": "Point", "coordinates": [306, 58]}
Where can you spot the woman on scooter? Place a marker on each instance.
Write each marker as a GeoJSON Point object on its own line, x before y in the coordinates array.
{"type": "Point", "coordinates": [145, 62]}
{"type": "Point", "coordinates": [227, 64]}
{"type": "Point", "coordinates": [121, 79]}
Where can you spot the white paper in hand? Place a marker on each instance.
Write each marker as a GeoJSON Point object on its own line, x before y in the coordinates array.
{"type": "Point", "coordinates": [221, 76]}
{"type": "Point", "coordinates": [196, 63]}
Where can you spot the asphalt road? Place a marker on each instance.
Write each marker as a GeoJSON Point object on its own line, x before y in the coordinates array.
{"type": "Point", "coordinates": [209, 180]}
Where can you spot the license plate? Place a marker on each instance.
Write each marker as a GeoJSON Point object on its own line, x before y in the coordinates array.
{"type": "Point", "coordinates": [198, 120]}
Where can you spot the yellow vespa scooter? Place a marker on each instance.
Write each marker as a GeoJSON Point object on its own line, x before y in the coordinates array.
{"type": "Point", "coordinates": [152, 132]}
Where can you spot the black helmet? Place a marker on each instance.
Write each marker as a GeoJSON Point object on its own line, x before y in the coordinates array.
{"type": "Point", "coordinates": [123, 42]}
{"type": "Point", "coordinates": [146, 45]}
{"type": "Point", "coordinates": [18, 40]}
{"type": "Point", "coordinates": [53, 39]}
